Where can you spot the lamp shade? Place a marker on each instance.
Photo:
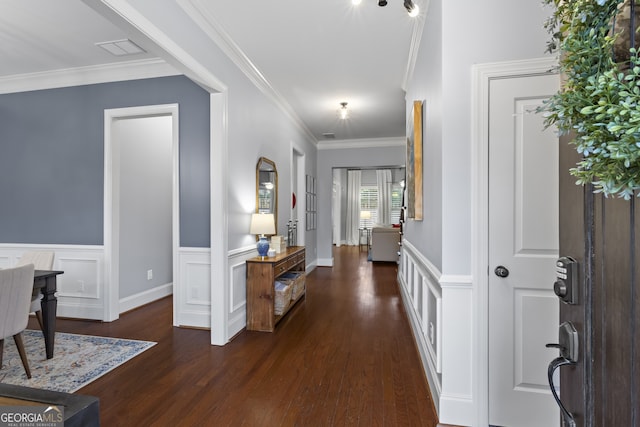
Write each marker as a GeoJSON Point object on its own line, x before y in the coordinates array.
{"type": "Point", "coordinates": [262, 223]}
{"type": "Point", "coordinates": [365, 214]}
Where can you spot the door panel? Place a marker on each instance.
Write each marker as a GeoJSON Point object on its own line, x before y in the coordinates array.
{"type": "Point", "coordinates": [523, 237]}
{"type": "Point", "coordinates": [574, 220]}
{"type": "Point", "coordinates": [603, 389]}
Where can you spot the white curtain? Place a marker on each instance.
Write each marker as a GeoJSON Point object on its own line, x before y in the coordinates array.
{"type": "Point", "coordinates": [353, 207]}
{"type": "Point", "coordinates": [384, 196]}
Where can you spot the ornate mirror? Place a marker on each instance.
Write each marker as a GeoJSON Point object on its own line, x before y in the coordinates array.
{"type": "Point", "coordinates": [267, 187]}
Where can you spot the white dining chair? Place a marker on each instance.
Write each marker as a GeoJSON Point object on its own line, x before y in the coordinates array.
{"type": "Point", "coordinates": [41, 260]}
{"type": "Point", "coordinates": [16, 285]}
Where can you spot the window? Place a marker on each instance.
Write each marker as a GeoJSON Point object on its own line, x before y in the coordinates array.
{"type": "Point", "coordinates": [369, 203]}
{"type": "Point", "coordinates": [396, 203]}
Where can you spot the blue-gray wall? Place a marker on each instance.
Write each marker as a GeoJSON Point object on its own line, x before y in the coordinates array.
{"type": "Point", "coordinates": [52, 159]}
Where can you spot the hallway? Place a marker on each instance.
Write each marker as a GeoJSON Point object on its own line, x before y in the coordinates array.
{"type": "Point", "coordinates": [345, 355]}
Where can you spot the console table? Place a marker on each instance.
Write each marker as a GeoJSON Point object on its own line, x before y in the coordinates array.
{"type": "Point", "coordinates": [262, 273]}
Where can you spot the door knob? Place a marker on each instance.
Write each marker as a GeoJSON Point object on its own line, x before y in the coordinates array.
{"type": "Point", "coordinates": [501, 271]}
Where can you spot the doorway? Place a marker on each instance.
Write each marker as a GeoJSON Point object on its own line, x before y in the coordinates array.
{"type": "Point", "coordinates": [523, 241]}
{"type": "Point", "coordinates": [360, 206]}
{"type": "Point", "coordinates": [141, 206]}
{"type": "Point", "coordinates": [515, 242]}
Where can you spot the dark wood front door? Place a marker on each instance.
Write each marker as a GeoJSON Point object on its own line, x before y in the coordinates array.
{"type": "Point", "coordinates": [603, 235]}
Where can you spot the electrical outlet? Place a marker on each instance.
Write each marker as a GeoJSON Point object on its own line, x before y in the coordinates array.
{"type": "Point", "coordinates": [81, 285]}
{"type": "Point", "coordinates": [149, 274]}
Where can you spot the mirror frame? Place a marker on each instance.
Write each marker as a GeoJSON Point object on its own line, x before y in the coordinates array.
{"type": "Point", "coordinates": [272, 164]}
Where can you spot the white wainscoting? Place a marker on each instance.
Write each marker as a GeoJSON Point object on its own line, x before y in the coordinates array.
{"type": "Point", "coordinates": [238, 289]}
{"type": "Point", "coordinates": [440, 310]}
{"type": "Point", "coordinates": [457, 404]}
{"type": "Point", "coordinates": [192, 304]}
{"type": "Point", "coordinates": [81, 287]}
{"type": "Point", "coordinates": [422, 297]}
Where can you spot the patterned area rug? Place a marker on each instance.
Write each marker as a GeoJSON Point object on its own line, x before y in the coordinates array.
{"type": "Point", "coordinates": [77, 360]}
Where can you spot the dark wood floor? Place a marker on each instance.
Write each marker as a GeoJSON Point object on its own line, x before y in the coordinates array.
{"type": "Point", "coordinates": [343, 356]}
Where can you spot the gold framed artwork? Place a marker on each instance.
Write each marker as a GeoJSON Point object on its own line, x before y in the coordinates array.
{"type": "Point", "coordinates": [414, 163]}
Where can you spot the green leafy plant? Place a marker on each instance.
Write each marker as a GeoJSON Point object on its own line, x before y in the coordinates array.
{"type": "Point", "coordinates": [600, 98]}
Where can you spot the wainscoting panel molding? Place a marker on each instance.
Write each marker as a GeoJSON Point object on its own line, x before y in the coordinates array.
{"type": "Point", "coordinates": [192, 303]}
{"type": "Point", "coordinates": [81, 287]}
{"type": "Point", "coordinates": [440, 311]}
{"type": "Point", "coordinates": [238, 289]}
{"type": "Point", "coordinates": [422, 298]}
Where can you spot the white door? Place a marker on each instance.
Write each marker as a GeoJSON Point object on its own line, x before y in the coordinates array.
{"type": "Point", "coordinates": [523, 238]}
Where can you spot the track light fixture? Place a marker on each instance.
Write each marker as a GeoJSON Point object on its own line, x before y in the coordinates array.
{"type": "Point", "coordinates": [412, 8]}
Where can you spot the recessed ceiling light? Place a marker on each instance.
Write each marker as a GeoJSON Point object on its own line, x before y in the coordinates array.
{"type": "Point", "coordinates": [121, 47]}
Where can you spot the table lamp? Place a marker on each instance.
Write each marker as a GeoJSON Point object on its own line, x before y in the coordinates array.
{"type": "Point", "coordinates": [262, 224]}
{"type": "Point", "coordinates": [365, 215]}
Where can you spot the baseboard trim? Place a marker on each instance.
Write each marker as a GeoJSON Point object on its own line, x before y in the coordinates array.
{"type": "Point", "coordinates": [145, 297]}
{"type": "Point", "coordinates": [325, 262]}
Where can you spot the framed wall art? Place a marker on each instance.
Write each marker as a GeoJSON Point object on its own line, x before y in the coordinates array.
{"type": "Point", "coordinates": [414, 163]}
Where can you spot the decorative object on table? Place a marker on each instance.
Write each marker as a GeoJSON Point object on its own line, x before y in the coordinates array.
{"type": "Point", "coordinates": [278, 244]}
{"type": "Point", "coordinates": [311, 203]}
{"type": "Point", "coordinates": [292, 232]}
{"type": "Point", "coordinates": [261, 224]}
{"type": "Point", "coordinates": [598, 100]}
{"type": "Point", "coordinates": [79, 360]}
{"type": "Point", "coordinates": [414, 163]}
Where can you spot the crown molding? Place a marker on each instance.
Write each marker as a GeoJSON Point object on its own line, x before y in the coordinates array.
{"type": "Point", "coordinates": [94, 74]}
{"type": "Point", "coordinates": [342, 144]}
{"type": "Point", "coordinates": [414, 47]}
{"type": "Point", "coordinates": [197, 11]}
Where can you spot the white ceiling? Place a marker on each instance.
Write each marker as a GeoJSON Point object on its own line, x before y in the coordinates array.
{"type": "Point", "coordinates": [315, 54]}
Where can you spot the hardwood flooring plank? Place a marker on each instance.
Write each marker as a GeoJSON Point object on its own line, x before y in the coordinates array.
{"type": "Point", "coordinates": [343, 356]}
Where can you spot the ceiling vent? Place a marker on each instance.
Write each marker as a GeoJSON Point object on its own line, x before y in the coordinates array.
{"type": "Point", "coordinates": [121, 47]}
{"type": "Point", "coordinates": [329, 135]}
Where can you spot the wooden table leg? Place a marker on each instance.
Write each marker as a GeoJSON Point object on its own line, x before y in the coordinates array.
{"type": "Point", "coordinates": [49, 305]}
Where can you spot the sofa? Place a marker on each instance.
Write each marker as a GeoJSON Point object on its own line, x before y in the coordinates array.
{"type": "Point", "coordinates": [385, 242]}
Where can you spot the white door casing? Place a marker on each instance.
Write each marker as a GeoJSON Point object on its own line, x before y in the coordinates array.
{"type": "Point", "coordinates": [111, 199]}
{"type": "Point", "coordinates": [523, 238]}
{"type": "Point", "coordinates": [299, 172]}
